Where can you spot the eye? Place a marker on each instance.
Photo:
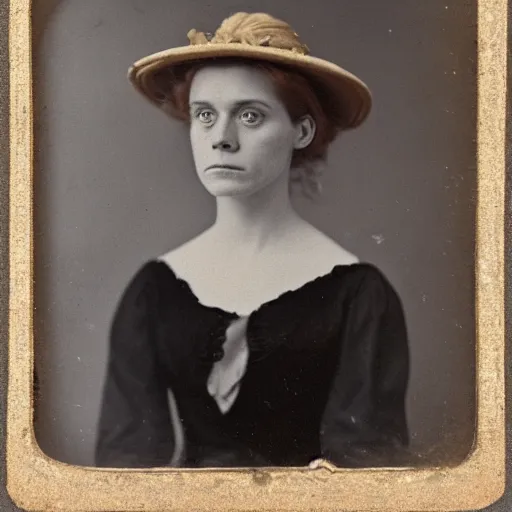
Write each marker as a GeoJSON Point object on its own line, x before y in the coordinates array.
{"type": "Point", "coordinates": [251, 117]}
{"type": "Point", "coordinates": [205, 116]}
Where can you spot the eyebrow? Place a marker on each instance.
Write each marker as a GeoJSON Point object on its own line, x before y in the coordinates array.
{"type": "Point", "coordinates": [236, 105]}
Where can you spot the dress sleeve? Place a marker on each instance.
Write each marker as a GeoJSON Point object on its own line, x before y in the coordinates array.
{"type": "Point", "coordinates": [364, 422]}
{"type": "Point", "coordinates": [135, 428]}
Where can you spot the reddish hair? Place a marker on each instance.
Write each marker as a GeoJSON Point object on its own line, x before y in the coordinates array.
{"type": "Point", "coordinates": [300, 95]}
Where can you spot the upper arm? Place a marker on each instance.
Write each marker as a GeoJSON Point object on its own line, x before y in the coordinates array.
{"type": "Point", "coordinates": [364, 421]}
{"type": "Point", "coordinates": [134, 427]}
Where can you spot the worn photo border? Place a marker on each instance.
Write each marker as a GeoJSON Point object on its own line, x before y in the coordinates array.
{"type": "Point", "coordinates": [38, 482]}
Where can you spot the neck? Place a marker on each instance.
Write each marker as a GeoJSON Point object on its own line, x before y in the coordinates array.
{"type": "Point", "coordinates": [256, 221]}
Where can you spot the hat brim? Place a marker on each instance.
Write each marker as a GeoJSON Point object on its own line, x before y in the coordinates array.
{"type": "Point", "coordinates": [347, 92]}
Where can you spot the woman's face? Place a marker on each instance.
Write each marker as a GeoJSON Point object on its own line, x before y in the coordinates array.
{"type": "Point", "coordinates": [241, 134]}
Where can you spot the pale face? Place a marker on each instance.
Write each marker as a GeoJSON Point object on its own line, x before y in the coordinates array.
{"type": "Point", "coordinates": [241, 134]}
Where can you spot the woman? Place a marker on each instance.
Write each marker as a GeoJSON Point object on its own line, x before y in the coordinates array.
{"type": "Point", "coordinates": [261, 342]}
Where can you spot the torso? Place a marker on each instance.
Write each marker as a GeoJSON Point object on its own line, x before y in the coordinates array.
{"type": "Point", "coordinates": [307, 356]}
{"type": "Point", "coordinates": [309, 364]}
{"type": "Point", "coordinates": [234, 281]}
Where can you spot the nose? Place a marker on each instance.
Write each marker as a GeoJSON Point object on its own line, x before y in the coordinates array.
{"type": "Point", "coordinates": [227, 139]}
{"type": "Point", "coordinates": [226, 145]}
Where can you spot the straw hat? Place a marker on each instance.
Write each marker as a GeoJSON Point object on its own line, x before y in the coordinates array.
{"type": "Point", "coordinates": [262, 37]}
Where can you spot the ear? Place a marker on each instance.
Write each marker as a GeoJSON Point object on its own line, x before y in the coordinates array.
{"type": "Point", "coordinates": [305, 129]}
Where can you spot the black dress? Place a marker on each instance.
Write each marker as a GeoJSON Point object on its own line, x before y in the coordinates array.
{"type": "Point", "coordinates": [326, 377]}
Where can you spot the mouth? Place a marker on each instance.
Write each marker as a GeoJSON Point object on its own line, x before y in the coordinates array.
{"type": "Point", "coordinates": [224, 166]}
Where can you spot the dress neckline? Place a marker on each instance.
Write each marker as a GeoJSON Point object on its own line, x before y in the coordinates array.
{"type": "Point", "coordinates": [336, 269]}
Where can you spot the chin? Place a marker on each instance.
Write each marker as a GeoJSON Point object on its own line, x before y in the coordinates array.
{"type": "Point", "coordinates": [230, 187]}
{"type": "Point", "coordinates": [238, 186]}
{"type": "Point", "coordinates": [229, 190]}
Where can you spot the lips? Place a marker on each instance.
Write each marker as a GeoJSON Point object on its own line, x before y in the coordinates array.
{"type": "Point", "coordinates": [224, 166]}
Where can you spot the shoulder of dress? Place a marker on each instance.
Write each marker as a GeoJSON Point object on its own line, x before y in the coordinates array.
{"type": "Point", "coordinates": [148, 276]}
{"type": "Point", "coordinates": [146, 271]}
{"type": "Point", "coordinates": [367, 282]}
{"type": "Point", "coordinates": [149, 287]}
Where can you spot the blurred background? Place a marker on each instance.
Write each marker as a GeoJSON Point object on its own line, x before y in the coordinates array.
{"type": "Point", "coordinates": [115, 186]}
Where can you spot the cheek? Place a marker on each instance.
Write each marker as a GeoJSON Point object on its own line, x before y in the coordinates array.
{"type": "Point", "coordinates": [199, 143]}
{"type": "Point", "coordinates": [276, 143]}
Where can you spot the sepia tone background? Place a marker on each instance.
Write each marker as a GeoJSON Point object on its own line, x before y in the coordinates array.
{"type": "Point", "coordinates": [115, 185]}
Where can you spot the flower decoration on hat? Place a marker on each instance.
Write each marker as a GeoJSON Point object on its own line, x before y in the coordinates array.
{"type": "Point", "coordinates": [258, 29]}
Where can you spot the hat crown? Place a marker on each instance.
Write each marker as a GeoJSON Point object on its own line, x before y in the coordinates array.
{"type": "Point", "coordinates": [255, 29]}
